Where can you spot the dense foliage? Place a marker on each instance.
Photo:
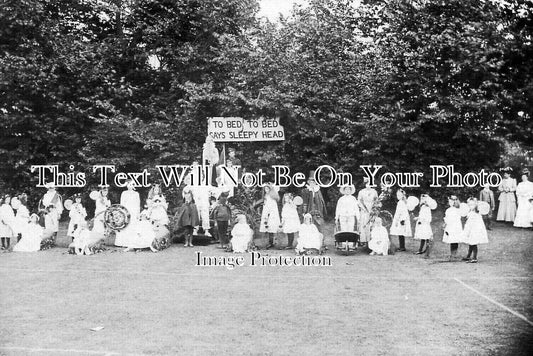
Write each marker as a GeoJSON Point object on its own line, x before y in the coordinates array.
{"type": "Point", "coordinates": [405, 84]}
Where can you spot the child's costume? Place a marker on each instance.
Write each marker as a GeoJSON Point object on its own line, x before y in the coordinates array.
{"type": "Point", "coordinates": [290, 218]}
{"type": "Point", "coordinates": [77, 217]}
{"type": "Point", "coordinates": [308, 238]}
{"type": "Point", "coordinates": [401, 223]}
{"type": "Point", "coordinates": [269, 216]}
{"type": "Point", "coordinates": [242, 236]}
{"type": "Point", "coordinates": [31, 238]}
{"type": "Point", "coordinates": [379, 242]}
{"type": "Point", "coordinates": [453, 232]}
{"type": "Point", "coordinates": [423, 225]}
{"type": "Point", "coordinates": [474, 231]}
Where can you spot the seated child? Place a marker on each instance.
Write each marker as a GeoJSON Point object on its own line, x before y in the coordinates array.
{"type": "Point", "coordinates": [86, 239]}
{"type": "Point", "coordinates": [379, 239]}
{"type": "Point", "coordinates": [242, 235]}
{"type": "Point", "coordinates": [308, 236]}
{"type": "Point", "coordinates": [144, 234]}
{"type": "Point", "coordinates": [32, 234]}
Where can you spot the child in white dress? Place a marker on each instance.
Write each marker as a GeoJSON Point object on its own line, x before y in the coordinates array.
{"type": "Point", "coordinates": [453, 226]}
{"type": "Point", "coordinates": [308, 236]}
{"type": "Point", "coordinates": [22, 215]}
{"type": "Point", "coordinates": [270, 215]}
{"type": "Point", "coordinates": [379, 242]}
{"type": "Point", "coordinates": [77, 216]}
{"type": "Point", "coordinates": [475, 232]}
{"type": "Point", "coordinates": [401, 223]}
{"type": "Point", "coordinates": [290, 221]}
{"type": "Point", "coordinates": [242, 235]}
{"type": "Point", "coordinates": [423, 230]}
{"type": "Point", "coordinates": [32, 234]}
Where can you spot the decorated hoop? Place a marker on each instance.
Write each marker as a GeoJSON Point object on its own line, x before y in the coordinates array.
{"type": "Point", "coordinates": [432, 204]}
{"type": "Point", "coordinates": [68, 204]}
{"type": "Point", "coordinates": [116, 217]}
{"type": "Point", "coordinates": [15, 203]}
{"type": "Point", "coordinates": [298, 200]}
{"type": "Point", "coordinates": [412, 203]}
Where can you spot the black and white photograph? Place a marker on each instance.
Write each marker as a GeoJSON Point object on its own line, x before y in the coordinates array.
{"type": "Point", "coordinates": [266, 177]}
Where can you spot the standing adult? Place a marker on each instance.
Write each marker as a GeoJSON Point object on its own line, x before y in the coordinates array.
{"type": "Point", "coordinates": [131, 201]}
{"type": "Point", "coordinates": [313, 201]}
{"type": "Point", "coordinates": [367, 197]}
{"type": "Point", "coordinates": [51, 197]}
{"type": "Point", "coordinates": [507, 199]}
{"type": "Point", "coordinates": [347, 213]}
{"type": "Point", "coordinates": [524, 192]}
{"type": "Point", "coordinates": [101, 203]}
{"type": "Point", "coordinates": [210, 157]}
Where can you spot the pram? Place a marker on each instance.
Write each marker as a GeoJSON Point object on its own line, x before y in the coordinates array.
{"type": "Point", "coordinates": [345, 241]}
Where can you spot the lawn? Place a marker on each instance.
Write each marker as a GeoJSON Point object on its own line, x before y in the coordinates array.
{"type": "Point", "coordinates": [361, 305]}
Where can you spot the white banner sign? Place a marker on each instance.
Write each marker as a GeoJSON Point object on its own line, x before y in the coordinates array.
{"type": "Point", "coordinates": [235, 129]}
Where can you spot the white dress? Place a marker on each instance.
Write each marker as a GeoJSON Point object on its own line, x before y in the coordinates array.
{"type": "Point", "coordinates": [144, 235]}
{"type": "Point", "coordinates": [270, 216]}
{"type": "Point", "coordinates": [290, 218]}
{"type": "Point", "coordinates": [84, 239]}
{"type": "Point", "coordinates": [347, 213]}
{"type": "Point", "coordinates": [101, 204]}
{"type": "Point", "coordinates": [77, 216]}
{"type": "Point", "coordinates": [379, 241]}
{"type": "Point", "coordinates": [475, 232]}
{"type": "Point", "coordinates": [32, 235]}
{"type": "Point", "coordinates": [524, 192]}
{"type": "Point", "coordinates": [423, 225]}
{"type": "Point", "coordinates": [7, 220]}
{"type": "Point", "coordinates": [242, 235]}
{"type": "Point", "coordinates": [308, 237]}
{"type": "Point", "coordinates": [367, 198]}
{"type": "Point", "coordinates": [131, 201]}
{"type": "Point", "coordinates": [22, 218]}
{"type": "Point", "coordinates": [453, 232]}
{"type": "Point", "coordinates": [401, 214]}
{"type": "Point", "coordinates": [507, 200]}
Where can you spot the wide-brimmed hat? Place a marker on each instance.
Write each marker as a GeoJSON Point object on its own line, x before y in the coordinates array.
{"type": "Point", "coordinates": [351, 188]}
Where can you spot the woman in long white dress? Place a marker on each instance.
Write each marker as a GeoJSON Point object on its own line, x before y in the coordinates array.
{"type": "Point", "coordinates": [242, 235]}
{"type": "Point", "coordinates": [401, 223]}
{"type": "Point", "coordinates": [367, 197]}
{"type": "Point", "coordinates": [507, 198]}
{"type": "Point", "coordinates": [524, 192]}
{"type": "Point", "coordinates": [32, 235]}
{"type": "Point", "coordinates": [270, 220]}
{"type": "Point", "coordinates": [308, 236]}
{"type": "Point", "coordinates": [132, 202]}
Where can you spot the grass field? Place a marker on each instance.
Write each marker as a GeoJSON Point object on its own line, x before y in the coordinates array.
{"type": "Point", "coordinates": [362, 305]}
